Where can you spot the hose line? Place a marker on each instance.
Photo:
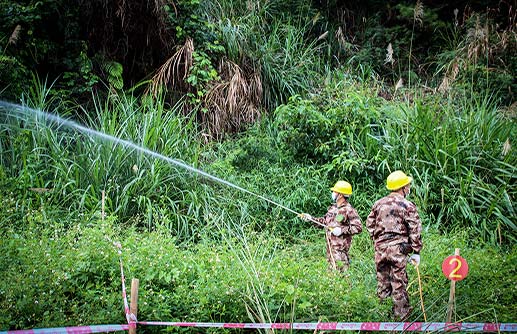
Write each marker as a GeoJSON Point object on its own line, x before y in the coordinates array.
{"type": "Point", "coordinates": [420, 290]}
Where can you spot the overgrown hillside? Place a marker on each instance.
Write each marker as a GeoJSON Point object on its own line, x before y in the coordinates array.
{"type": "Point", "coordinates": [193, 132]}
{"type": "Point", "coordinates": [208, 251]}
{"type": "Point", "coordinates": [233, 61]}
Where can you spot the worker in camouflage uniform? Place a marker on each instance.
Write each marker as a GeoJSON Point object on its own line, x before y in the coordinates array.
{"type": "Point", "coordinates": [395, 227]}
{"type": "Point", "coordinates": [340, 222]}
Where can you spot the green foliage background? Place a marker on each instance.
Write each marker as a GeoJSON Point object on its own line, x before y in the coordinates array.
{"type": "Point", "coordinates": [224, 248]}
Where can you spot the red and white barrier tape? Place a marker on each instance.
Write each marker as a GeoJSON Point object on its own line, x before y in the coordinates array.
{"type": "Point", "coordinates": [354, 326]}
{"type": "Point", "coordinates": [338, 326]}
{"type": "Point", "coordinates": [72, 330]}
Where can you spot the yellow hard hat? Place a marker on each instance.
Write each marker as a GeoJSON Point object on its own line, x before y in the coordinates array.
{"type": "Point", "coordinates": [397, 180]}
{"type": "Point", "coordinates": [342, 187]}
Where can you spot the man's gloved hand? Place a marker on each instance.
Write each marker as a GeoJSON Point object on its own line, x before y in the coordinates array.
{"type": "Point", "coordinates": [305, 216]}
{"type": "Point", "coordinates": [336, 231]}
{"type": "Point", "coordinates": [414, 259]}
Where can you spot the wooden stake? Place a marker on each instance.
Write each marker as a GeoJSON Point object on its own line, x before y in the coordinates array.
{"type": "Point", "coordinates": [102, 205]}
{"type": "Point", "coordinates": [452, 301]}
{"type": "Point", "coordinates": [133, 306]}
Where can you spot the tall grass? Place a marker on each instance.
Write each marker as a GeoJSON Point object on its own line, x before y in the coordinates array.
{"type": "Point", "coordinates": [456, 150]}
{"type": "Point", "coordinates": [284, 49]}
{"type": "Point", "coordinates": [453, 148]}
{"type": "Point", "coordinates": [474, 56]}
{"type": "Point", "coordinates": [288, 64]}
{"type": "Point", "coordinates": [75, 168]}
{"type": "Point", "coordinates": [462, 160]}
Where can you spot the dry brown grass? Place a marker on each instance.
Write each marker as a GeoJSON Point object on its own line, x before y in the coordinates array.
{"type": "Point", "coordinates": [399, 84]}
{"type": "Point", "coordinates": [232, 102]}
{"type": "Point", "coordinates": [506, 147]}
{"type": "Point", "coordinates": [323, 36]}
{"type": "Point", "coordinates": [121, 12]}
{"type": "Point", "coordinates": [449, 78]}
{"type": "Point", "coordinates": [340, 36]}
{"type": "Point", "coordinates": [484, 44]}
{"type": "Point", "coordinates": [389, 55]}
{"type": "Point", "coordinates": [345, 42]}
{"type": "Point", "coordinates": [510, 111]}
{"type": "Point", "coordinates": [477, 42]}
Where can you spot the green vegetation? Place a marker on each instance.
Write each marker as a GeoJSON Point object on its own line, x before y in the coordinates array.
{"type": "Point", "coordinates": [281, 98]}
{"type": "Point", "coordinates": [191, 241]}
{"type": "Point", "coordinates": [454, 148]}
{"type": "Point", "coordinates": [54, 275]}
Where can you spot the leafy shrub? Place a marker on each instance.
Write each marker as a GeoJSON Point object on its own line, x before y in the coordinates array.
{"type": "Point", "coordinates": [331, 133]}
{"type": "Point", "coordinates": [461, 176]}
{"type": "Point", "coordinates": [55, 276]}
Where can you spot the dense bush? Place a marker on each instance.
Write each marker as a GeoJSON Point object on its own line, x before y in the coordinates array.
{"type": "Point", "coordinates": [455, 149]}
{"type": "Point", "coordinates": [227, 246]}
{"type": "Point", "coordinates": [55, 276]}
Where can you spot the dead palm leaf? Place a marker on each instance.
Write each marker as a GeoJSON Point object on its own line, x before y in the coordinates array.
{"type": "Point", "coordinates": [233, 101]}
{"type": "Point", "coordinates": [175, 69]}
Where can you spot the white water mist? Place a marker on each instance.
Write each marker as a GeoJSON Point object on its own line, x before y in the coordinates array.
{"type": "Point", "coordinates": [23, 112]}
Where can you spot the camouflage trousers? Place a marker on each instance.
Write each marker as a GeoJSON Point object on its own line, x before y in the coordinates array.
{"type": "Point", "coordinates": [392, 278]}
{"type": "Point", "coordinates": [338, 258]}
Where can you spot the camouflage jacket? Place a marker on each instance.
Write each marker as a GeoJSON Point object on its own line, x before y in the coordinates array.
{"type": "Point", "coordinates": [394, 220]}
{"type": "Point", "coordinates": [345, 217]}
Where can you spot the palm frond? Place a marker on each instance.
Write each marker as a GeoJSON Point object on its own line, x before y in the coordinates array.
{"type": "Point", "coordinates": [174, 71]}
